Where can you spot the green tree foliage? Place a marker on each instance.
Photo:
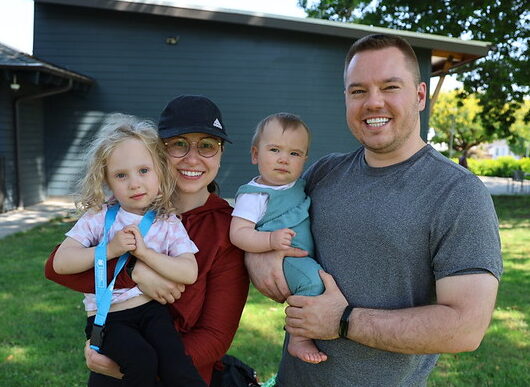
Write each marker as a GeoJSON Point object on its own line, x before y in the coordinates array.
{"type": "Point", "coordinates": [457, 122]}
{"type": "Point", "coordinates": [500, 80]}
{"type": "Point", "coordinates": [461, 118]}
{"type": "Point", "coordinates": [520, 142]}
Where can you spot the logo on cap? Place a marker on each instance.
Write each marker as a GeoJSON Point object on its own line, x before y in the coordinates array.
{"type": "Point", "coordinates": [217, 124]}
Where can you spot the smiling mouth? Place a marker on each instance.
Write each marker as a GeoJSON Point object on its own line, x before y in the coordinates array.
{"type": "Point", "coordinates": [138, 196]}
{"type": "Point", "coordinates": [190, 173]}
{"type": "Point", "coordinates": [377, 122]}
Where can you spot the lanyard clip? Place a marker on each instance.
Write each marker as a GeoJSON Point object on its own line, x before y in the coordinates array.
{"type": "Point", "coordinates": [96, 337]}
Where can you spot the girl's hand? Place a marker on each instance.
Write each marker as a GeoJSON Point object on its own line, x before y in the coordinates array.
{"type": "Point", "coordinates": [121, 243]}
{"type": "Point", "coordinates": [140, 250]}
{"type": "Point", "coordinates": [281, 239]}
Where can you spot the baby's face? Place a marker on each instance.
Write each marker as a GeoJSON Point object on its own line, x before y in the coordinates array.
{"type": "Point", "coordinates": [280, 155]}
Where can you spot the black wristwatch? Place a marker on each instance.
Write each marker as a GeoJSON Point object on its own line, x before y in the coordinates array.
{"type": "Point", "coordinates": [130, 265]}
{"type": "Point", "coordinates": [345, 322]}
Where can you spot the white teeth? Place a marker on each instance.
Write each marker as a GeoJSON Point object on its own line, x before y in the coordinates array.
{"type": "Point", "coordinates": [379, 121]}
{"type": "Point", "coordinates": [191, 173]}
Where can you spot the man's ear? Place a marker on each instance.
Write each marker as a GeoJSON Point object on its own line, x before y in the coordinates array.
{"type": "Point", "coordinates": [422, 96]}
{"type": "Point", "coordinates": [254, 155]}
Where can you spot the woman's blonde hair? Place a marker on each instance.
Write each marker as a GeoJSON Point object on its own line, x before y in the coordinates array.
{"type": "Point", "coordinates": [116, 129]}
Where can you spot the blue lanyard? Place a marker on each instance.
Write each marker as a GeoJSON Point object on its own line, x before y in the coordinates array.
{"type": "Point", "coordinates": [104, 292]}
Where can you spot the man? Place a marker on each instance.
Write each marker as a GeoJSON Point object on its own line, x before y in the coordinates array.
{"type": "Point", "coordinates": [409, 240]}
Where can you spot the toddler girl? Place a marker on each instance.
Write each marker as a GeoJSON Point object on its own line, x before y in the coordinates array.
{"type": "Point", "coordinates": [126, 194]}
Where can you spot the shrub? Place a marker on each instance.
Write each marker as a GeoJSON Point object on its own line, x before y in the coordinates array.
{"type": "Point", "coordinates": [501, 167]}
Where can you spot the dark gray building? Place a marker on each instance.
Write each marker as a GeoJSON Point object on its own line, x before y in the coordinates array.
{"type": "Point", "coordinates": [141, 54]}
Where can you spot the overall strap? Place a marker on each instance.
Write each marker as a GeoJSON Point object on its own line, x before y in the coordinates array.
{"type": "Point", "coordinates": [104, 292]}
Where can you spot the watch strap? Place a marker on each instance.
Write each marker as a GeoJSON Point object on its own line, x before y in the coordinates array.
{"type": "Point", "coordinates": [345, 321]}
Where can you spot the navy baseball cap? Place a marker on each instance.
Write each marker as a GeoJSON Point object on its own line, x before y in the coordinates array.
{"type": "Point", "coordinates": [191, 114]}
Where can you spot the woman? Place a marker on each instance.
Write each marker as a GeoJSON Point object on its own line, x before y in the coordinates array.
{"type": "Point", "coordinates": [207, 313]}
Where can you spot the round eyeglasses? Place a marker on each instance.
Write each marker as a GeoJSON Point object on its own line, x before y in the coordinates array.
{"type": "Point", "coordinates": [180, 146]}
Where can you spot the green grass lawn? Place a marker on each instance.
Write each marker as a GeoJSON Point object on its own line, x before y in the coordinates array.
{"type": "Point", "coordinates": [41, 323]}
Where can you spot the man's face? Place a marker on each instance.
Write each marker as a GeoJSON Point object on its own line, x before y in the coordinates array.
{"type": "Point", "coordinates": [383, 103]}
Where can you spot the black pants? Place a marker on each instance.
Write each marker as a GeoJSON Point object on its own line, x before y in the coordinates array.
{"type": "Point", "coordinates": [145, 344]}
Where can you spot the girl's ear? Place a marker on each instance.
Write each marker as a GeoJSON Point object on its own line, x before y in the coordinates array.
{"type": "Point", "coordinates": [254, 155]}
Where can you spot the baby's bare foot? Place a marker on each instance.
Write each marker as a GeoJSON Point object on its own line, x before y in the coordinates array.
{"type": "Point", "coordinates": [305, 349]}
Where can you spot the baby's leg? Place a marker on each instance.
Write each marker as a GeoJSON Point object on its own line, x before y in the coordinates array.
{"type": "Point", "coordinates": [305, 349]}
{"type": "Point", "coordinates": [303, 279]}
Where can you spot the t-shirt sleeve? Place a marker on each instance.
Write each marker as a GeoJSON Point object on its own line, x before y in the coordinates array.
{"type": "Point", "coordinates": [465, 232]}
{"type": "Point", "coordinates": [88, 230]}
{"type": "Point", "coordinates": [318, 170]}
{"type": "Point", "coordinates": [251, 206]}
{"type": "Point", "coordinates": [178, 240]}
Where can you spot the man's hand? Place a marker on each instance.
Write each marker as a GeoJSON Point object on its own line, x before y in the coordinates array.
{"type": "Point", "coordinates": [316, 317]}
{"type": "Point", "coordinates": [266, 272]}
{"type": "Point", "coordinates": [122, 242]}
{"type": "Point", "coordinates": [100, 363]}
{"type": "Point", "coordinates": [156, 286]}
{"type": "Point", "coordinates": [281, 239]}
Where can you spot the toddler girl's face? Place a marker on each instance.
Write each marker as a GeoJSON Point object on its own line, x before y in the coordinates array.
{"type": "Point", "coordinates": [131, 176]}
{"type": "Point", "coordinates": [280, 154]}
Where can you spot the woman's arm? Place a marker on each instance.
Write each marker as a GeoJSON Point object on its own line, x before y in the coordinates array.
{"type": "Point", "coordinates": [182, 269]}
{"type": "Point", "coordinates": [226, 294]}
{"type": "Point", "coordinates": [155, 285]}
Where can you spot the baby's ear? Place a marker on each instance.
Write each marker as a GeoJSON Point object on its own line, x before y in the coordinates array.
{"type": "Point", "coordinates": [254, 155]}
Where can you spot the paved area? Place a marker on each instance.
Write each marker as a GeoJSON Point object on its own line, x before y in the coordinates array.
{"type": "Point", "coordinates": [21, 220]}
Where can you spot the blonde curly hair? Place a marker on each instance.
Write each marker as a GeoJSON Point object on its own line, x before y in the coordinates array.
{"type": "Point", "coordinates": [116, 129]}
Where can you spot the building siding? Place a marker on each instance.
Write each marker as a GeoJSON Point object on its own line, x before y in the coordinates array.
{"type": "Point", "coordinates": [7, 153]}
{"type": "Point", "coordinates": [32, 166]}
{"type": "Point", "coordinates": [249, 72]}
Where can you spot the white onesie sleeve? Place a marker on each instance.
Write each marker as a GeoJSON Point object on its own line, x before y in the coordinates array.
{"type": "Point", "coordinates": [251, 206]}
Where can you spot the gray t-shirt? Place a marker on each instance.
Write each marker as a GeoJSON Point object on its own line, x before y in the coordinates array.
{"type": "Point", "coordinates": [386, 235]}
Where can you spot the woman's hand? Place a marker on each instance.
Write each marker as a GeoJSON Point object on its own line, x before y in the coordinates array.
{"type": "Point", "coordinates": [156, 286]}
{"type": "Point", "coordinates": [266, 272]}
{"type": "Point", "coordinates": [100, 363]}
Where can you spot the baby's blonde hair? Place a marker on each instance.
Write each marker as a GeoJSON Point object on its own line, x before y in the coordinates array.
{"type": "Point", "coordinates": [116, 129]}
{"type": "Point", "coordinates": [288, 121]}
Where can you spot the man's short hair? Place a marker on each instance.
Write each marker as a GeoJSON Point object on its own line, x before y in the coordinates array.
{"type": "Point", "coordinates": [379, 42]}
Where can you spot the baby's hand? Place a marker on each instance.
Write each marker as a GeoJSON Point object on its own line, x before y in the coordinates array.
{"type": "Point", "coordinates": [122, 242]}
{"type": "Point", "coordinates": [141, 249]}
{"type": "Point", "coordinates": [281, 239]}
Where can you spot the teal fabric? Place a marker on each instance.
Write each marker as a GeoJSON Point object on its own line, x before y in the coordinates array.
{"type": "Point", "coordinates": [289, 208]}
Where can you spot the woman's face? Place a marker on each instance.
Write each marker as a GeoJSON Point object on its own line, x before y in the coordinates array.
{"type": "Point", "coordinates": [193, 171]}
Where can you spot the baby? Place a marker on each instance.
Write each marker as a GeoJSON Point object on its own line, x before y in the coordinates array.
{"type": "Point", "coordinates": [272, 211]}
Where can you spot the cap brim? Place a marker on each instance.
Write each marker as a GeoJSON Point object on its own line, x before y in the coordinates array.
{"type": "Point", "coordinates": [172, 132]}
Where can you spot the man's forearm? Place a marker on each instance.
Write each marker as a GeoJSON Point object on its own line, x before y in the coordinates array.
{"type": "Point", "coordinates": [457, 323]}
{"type": "Point", "coordinates": [419, 330]}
